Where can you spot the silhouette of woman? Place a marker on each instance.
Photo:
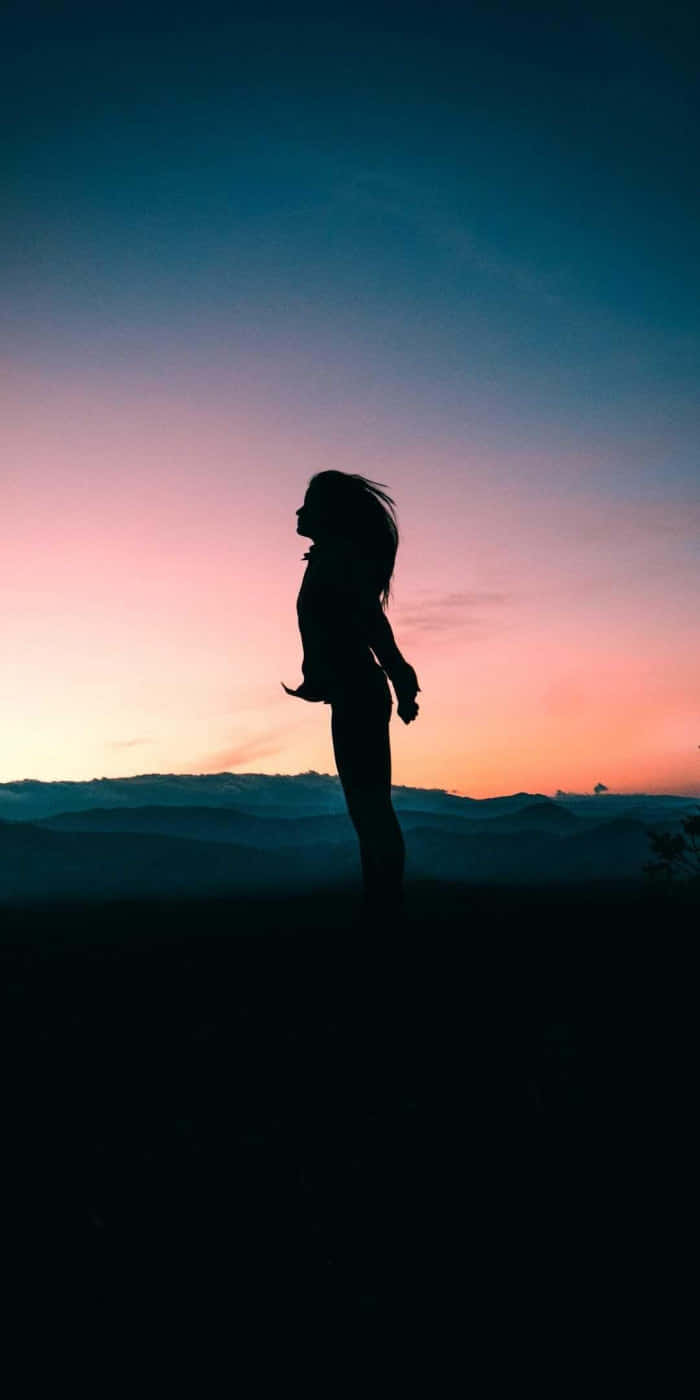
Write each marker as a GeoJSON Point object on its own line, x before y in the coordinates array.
{"type": "Point", "coordinates": [341, 621]}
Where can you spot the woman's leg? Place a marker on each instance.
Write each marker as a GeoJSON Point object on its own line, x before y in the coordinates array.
{"type": "Point", "coordinates": [360, 729]}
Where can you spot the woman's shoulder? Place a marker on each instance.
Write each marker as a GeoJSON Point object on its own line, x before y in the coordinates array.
{"type": "Point", "coordinates": [349, 571]}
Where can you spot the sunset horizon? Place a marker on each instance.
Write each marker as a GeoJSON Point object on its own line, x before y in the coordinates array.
{"type": "Point", "coordinates": [596, 791]}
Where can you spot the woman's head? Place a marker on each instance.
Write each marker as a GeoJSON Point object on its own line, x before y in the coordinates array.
{"type": "Point", "coordinates": [349, 507]}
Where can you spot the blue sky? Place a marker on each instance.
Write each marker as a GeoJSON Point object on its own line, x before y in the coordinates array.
{"type": "Point", "coordinates": [497, 202]}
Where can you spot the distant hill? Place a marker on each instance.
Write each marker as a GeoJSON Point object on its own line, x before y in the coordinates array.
{"type": "Point", "coordinates": [229, 825]}
{"type": "Point", "coordinates": [230, 833]}
{"type": "Point", "coordinates": [39, 865]}
{"type": "Point", "coordinates": [274, 795]}
{"type": "Point", "coordinates": [551, 816]}
{"type": "Point", "coordinates": [254, 829]}
{"type": "Point", "coordinates": [532, 856]}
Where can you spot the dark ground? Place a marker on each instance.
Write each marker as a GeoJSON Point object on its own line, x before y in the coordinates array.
{"type": "Point", "coordinates": [259, 1106]}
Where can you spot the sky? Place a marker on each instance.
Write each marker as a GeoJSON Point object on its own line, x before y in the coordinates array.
{"type": "Point", "coordinates": [451, 247]}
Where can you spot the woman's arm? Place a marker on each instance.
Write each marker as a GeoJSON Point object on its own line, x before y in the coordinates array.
{"type": "Point", "coordinates": [382, 641]}
{"type": "Point", "coordinates": [402, 676]}
{"type": "Point", "coordinates": [349, 576]}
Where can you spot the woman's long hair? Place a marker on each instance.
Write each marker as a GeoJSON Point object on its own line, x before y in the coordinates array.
{"type": "Point", "coordinates": [356, 509]}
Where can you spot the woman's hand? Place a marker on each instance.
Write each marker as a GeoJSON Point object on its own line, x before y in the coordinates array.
{"type": "Point", "coordinates": [405, 683]}
{"type": "Point", "coordinates": [303, 692]}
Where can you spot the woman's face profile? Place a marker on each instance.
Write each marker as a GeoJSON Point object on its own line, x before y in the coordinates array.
{"type": "Point", "coordinates": [309, 518]}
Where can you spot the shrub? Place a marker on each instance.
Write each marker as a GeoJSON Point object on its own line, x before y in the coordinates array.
{"type": "Point", "coordinates": [676, 855]}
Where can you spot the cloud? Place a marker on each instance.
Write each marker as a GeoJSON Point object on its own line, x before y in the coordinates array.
{"type": "Point", "coordinates": [448, 612]}
{"type": "Point", "coordinates": [126, 743]}
{"type": "Point", "coordinates": [225, 760]}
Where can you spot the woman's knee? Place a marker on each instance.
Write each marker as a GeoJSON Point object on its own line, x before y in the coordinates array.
{"type": "Point", "coordinates": [368, 796]}
{"type": "Point", "coordinates": [370, 808]}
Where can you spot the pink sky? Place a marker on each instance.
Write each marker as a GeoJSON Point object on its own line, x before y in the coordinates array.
{"type": "Point", "coordinates": [150, 568]}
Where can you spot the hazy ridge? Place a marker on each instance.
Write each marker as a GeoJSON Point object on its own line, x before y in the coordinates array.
{"type": "Point", "coordinates": [171, 834]}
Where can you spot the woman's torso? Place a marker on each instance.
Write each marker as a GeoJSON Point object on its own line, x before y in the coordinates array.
{"type": "Point", "coordinates": [332, 607]}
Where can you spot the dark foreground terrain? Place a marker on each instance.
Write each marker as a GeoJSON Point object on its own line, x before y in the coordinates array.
{"type": "Point", "coordinates": [236, 1107]}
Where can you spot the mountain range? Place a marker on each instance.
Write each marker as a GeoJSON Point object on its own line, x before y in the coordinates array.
{"type": "Point", "coordinates": [159, 835]}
